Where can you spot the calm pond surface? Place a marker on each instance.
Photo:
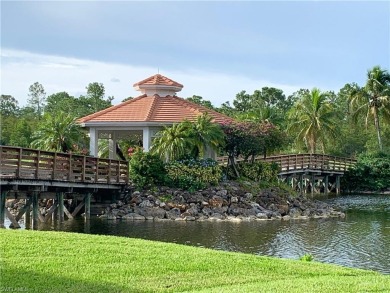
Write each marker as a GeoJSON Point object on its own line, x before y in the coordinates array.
{"type": "Point", "coordinates": [361, 240]}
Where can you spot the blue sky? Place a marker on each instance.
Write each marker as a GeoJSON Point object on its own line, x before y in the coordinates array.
{"type": "Point", "coordinates": [215, 49]}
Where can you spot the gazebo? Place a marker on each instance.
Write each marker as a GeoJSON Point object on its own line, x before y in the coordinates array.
{"type": "Point", "coordinates": [144, 116]}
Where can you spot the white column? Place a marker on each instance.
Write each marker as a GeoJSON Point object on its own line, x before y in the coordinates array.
{"type": "Point", "coordinates": [112, 147]}
{"type": "Point", "coordinates": [146, 138]}
{"type": "Point", "coordinates": [93, 142]}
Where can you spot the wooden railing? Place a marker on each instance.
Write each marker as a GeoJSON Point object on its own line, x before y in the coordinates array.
{"type": "Point", "coordinates": [298, 162]}
{"type": "Point", "coordinates": [22, 163]}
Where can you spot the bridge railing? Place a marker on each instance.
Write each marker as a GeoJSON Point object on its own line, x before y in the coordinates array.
{"type": "Point", "coordinates": [305, 162]}
{"type": "Point", "coordinates": [22, 163]}
{"type": "Point", "coordinates": [311, 162]}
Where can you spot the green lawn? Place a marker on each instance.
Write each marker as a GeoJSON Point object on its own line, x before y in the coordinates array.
{"type": "Point", "coordinates": [37, 261]}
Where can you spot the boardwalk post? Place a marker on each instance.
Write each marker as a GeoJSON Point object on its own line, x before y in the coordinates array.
{"type": "Point", "coordinates": [87, 201]}
{"type": "Point", "coordinates": [60, 200]}
{"type": "Point", "coordinates": [301, 184]}
{"type": "Point", "coordinates": [27, 207]}
{"type": "Point", "coordinates": [338, 184]}
{"type": "Point", "coordinates": [312, 179]}
{"type": "Point", "coordinates": [2, 208]}
{"type": "Point", "coordinates": [326, 190]}
{"type": "Point", "coordinates": [54, 215]}
{"type": "Point", "coordinates": [35, 209]}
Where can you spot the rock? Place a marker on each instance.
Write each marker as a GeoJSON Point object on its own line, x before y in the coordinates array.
{"type": "Point", "coordinates": [133, 216]}
{"type": "Point", "coordinates": [205, 203]}
{"type": "Point", "coordinates": [216, 216]}
{"type": "Point", "coordinates": [175, 205]}
{"type": "Point", "coordinates": [173, 214]}
{"type": "Point", "coordinates": [216, 201]}
{"type": "Point", "coordinates": [276, 215]}
{"type": "Point", "coordinates": [154, 212]}
{"type": "Point", "coordinates": [248, 196]}
{"type": "Point", "coordinates": [307, 213]}
{"type": "Point", "coordinates": [323, 213]}
{"type": "Point", "coordinates": [195, 198]}
{"type": "Point", "coordinates": [114, 212]}
{"type": "Point", "coordinates": [255, 205]}
{"type": "Point", "coordinates": [233, 219]}
{"type": "Point", "coordinates": [113, 206]}
{"type": "Point", "coordinates": [262, 216]}
{"type": "Point", "coordinates": [149, 218]}
{"type": "Point", "coordinates": [234, 199]}
{"type": "Point", "coordinates": [136, 200]}
{"type": "Point", "coordinates": [207, 211]}
{"type": "Point", "coordinates": [221, 210]}
{"type": "Point", "coordinates": [239, 211]}
{"type": "Point", "coordinates": [286, 218]}
{"type": "Point", "coordinates": [222, 193]}
{"type": "Point", "coordinates": [283, 209]}
{"type": "Point", "coordinates": [189, 218]}
{"type": "Point", "coordinates": [193, 211]}
{"type": "Point", "coordinates": [202, 217]}
{"type": "Point", "coordinates": [146, 204]}
{"type": "Point", "coordinates": [294, 212]}
{"type": "Point", "coordinates": [111, 217]}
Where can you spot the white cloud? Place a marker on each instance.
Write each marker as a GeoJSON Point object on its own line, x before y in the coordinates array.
{"type": "Point", "coordinates": [20, 69]}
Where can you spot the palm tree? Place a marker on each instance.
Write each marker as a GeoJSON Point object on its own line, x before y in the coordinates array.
{"type": "Point", "coordinates": [263, 114]}
{"type": "Point", "coordinates": [373, 99]}
{"type": "Point", "coordinates": [312, 119]}
{"type": "Point", "coordinates": [58, 133]}
{"type": "Point", "coordinates": [204, 133]}
{"type": "Point", "coordinates": [172, 142]}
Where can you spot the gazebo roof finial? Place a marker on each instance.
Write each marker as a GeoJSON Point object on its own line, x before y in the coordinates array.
{"type": "Point", "coordinates": [158, 85]}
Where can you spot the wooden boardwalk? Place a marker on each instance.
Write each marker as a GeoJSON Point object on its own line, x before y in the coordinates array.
{"type": "Point", "coordinates": [314, 173]}
{"type": "Point", "coordinates": [31, 175]}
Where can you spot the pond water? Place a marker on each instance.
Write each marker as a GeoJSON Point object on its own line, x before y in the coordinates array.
{"type": "Point", "coordinates": [361, 240]}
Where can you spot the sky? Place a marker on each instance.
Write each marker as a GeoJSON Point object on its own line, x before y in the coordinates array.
{"type": "Point", "coordinates": [215, 49]}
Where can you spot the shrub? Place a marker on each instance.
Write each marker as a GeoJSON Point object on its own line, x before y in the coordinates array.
{"type": "Point", "coordinates": [146, 169]}
{"type": "Point", "coordinates": [258, 171]}
{"type": "Point", "coordinates": [371, 173]}
{"type": "Point", "coordinates": [306, 257]}
{"type": "Point", "coordinates": [193, 174]}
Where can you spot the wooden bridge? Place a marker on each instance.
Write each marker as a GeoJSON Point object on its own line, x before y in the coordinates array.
{"type": "Point", "coordinates": [31, 175]}
{"type": "Point", "coordinates": [314, 173]}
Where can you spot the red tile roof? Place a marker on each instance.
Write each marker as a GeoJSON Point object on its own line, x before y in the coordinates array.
{"type": "Point", "coordinates": [158, 79]}
{"type": "Point", "coordinates": [169, 109]}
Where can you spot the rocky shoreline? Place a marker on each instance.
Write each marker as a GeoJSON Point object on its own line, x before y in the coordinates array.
{"type": "Point", "coordinates": [228, 201]}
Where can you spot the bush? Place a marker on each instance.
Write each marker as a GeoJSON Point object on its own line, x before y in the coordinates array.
{"type": "Point", "coordinates": [306, 257]}
{"type": "Point", "coordinates": [258, 171]}
{"type": "Point", "coordinates": [371, 173]}
{"type": "Point", "coordinates": [193, 174]}
{"type": "Point", "coordinates": [146, 169]}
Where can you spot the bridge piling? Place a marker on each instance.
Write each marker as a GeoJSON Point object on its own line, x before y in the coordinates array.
{"type": "Point", "coordinates": [338, 184]}
{"type": "Point", "coordinates": [27, 216]}
{"type": "Point", "coordinates": [3, 195]}
{"type": "Point", "coordinates": [87, 203]}
{"type": "Point", "coordinates": [326, 185]}
{"type": "Point", "coordinates": [35, 207]}
{"type": "Point", "coordinates": [60, 199]}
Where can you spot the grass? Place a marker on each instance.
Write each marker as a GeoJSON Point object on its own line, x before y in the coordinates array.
{"type": "Point", "coordinates": [37, 261]}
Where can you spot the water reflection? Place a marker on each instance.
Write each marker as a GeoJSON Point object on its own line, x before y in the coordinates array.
{"type": "Point", "coordinates": [360, 240]}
